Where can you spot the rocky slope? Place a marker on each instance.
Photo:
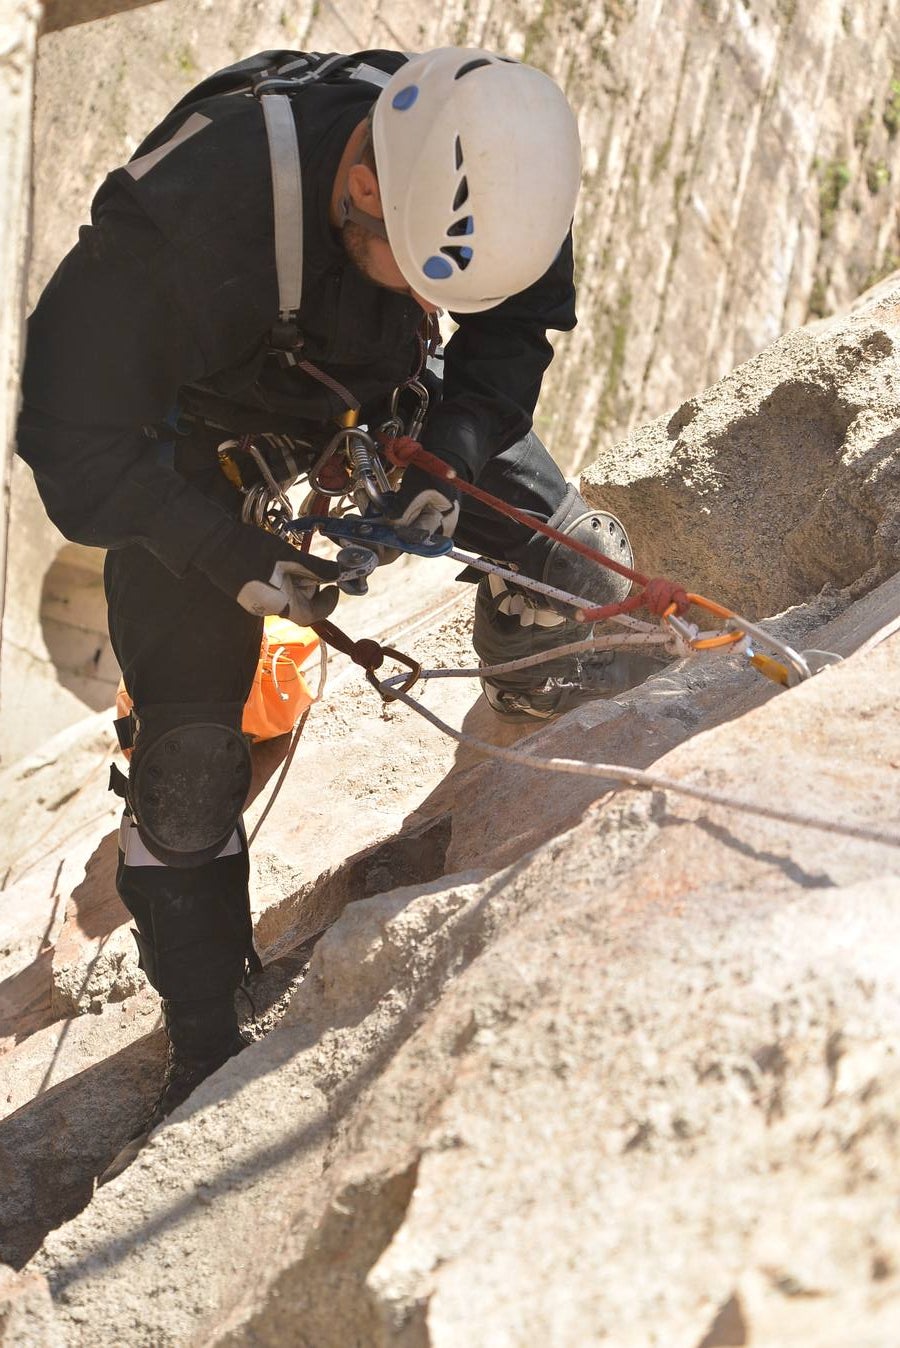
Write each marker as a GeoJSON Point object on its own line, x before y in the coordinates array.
{"type": "Point", "coordinates": [571, 1064]}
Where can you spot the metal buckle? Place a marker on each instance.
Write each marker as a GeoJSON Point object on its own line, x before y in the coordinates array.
{"type": "Point", "coordinates": [415, 671]}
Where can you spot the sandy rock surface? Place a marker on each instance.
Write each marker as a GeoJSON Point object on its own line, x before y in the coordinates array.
{"type": "Point", "coordinates": [27, 1318]}
{"type": "Point", "coordinates": [788, 469]}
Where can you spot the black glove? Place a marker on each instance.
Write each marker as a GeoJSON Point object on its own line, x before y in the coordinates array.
{"type": "Point", "coordinates": [266, 575]}
{"type": "Point", "coordinates": [425, 502]}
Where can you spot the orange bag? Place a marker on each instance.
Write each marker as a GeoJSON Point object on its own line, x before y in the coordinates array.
{"type": "Point", "coordinates": [280, 694]}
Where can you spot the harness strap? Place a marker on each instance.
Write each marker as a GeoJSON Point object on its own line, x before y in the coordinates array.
{"type": "Point", "coordinates": [335, 385]}
{"type": "Point", "coordinates": [273, 91]}
{"type": "Point", "coordinates": [371, 74]}
{"type": "Point", "coordinates": [287, 192]}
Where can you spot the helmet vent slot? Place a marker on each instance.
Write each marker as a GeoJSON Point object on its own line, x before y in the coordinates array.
{"type": "Point", "coordinates": [458, 152]}
{"type": "Point", "coordinates": [462, 194]}
{"type": "Point", "coordinates": [465, 225]}
{"type": "Point", "coordinates": [470, 66]}
{"type": "Point", "coordinates": [461, 254]}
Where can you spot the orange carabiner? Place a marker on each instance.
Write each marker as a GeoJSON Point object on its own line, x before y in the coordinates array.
{"type": "Point", "coordinates": [715, 643]}
{"type": "Point", "coordinates": [720, 611]}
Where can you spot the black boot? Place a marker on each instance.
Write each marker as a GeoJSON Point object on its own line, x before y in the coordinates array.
{"type": "Point", "coordinates": [202, 1035]}
{"type": "Point", "coordinates": [512, 622]}
{"type": "Point", "coordinates": [510, 625]}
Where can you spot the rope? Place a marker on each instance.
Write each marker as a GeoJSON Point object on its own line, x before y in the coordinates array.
{"type": "Point", "coordinates": [526, 582]}
{"type": "Point", "coordinates": [650, 781]}
{"type": "Point", "coordinates": [657, 595]}
{"type": "Point", "coordinates": [611, 643]}
{"type": "Point", "coordinates": [285, 768]}
{"type": "Point", "coordinates": [292, 748]}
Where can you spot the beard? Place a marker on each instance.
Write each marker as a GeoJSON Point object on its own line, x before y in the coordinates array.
{"type": "Point", "coordinates": [357, 243]}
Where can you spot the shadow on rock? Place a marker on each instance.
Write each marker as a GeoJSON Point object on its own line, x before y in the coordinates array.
{"type": "Point", "coordinates": [52, 1149]}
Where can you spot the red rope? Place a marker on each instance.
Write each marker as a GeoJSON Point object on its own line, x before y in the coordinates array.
{"type": "Point", "coordinates": [657, 595]}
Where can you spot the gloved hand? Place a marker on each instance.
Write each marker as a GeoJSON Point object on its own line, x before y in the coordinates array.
{"type": "Point", "coordinates": [422, 503]}
{"type": "Point", "coordinates": [266, 575]}
{"type": "Point", "coordinates": [291, 591]}
{"type": "Point", "coordinates": [425, 503]}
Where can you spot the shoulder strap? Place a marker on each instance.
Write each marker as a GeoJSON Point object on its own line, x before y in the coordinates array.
{"type": "Point", "coordinates": [287, 194]}
{"type": "Point", "coordinates": [273, 89]}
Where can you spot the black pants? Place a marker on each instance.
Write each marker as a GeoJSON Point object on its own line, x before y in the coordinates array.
{"type": "Point", "coordinates": [181, 642]}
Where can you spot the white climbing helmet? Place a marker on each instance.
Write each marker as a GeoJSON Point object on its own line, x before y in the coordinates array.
{"type": "Point", "coordinates": [479, 164]}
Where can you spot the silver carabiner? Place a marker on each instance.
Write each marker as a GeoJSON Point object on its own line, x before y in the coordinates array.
{"type": "Point", "coordinates": [393, 427]}
{"type": "Point", "coordinates": [418, 419]}
{"type": "Point", "coordinates": [795, 660]}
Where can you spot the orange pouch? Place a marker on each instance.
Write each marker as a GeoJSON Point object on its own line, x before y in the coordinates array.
{"type": "Point", "coordinates": [280, 694]}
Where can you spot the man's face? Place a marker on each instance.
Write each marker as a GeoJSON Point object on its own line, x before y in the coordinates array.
{"type": "Point", "coordinates": [372, 257]}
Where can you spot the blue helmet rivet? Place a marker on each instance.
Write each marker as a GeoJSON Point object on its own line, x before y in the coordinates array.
{"type": "Point", "coordinates": [437, 269]}
{"type": "Point", "coordinates": [404, 98]}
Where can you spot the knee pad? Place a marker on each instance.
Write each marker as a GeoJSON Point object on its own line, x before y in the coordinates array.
{"type": "Point", "coordinates": [544, 559]}
{"type": "Point", "coordinates": [187, 786]}
{"type": "Point", "coordinates": [568, 570]}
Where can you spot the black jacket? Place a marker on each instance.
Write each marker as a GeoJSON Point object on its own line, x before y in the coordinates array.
{"type": "Point", "coordinates": [168, 299]}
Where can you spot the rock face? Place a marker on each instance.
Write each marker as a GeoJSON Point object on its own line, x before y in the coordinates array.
{"type": "Point", "coordinates": [742, 173]}
{"type": "Point", "coordinates": [27, 1319]}
{"type": "Point", "coordinates": [788, 469]}
{"type": "Point", "coordinates": [19, 23]}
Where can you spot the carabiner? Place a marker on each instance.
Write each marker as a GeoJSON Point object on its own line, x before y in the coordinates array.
{"type": "Point", "coordinates": [796, 667]}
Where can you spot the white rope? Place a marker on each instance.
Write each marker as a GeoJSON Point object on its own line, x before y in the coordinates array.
{"type": "Point", "coordinates": [648, 780]}
{"type": "Point", "coordinates": [323, 670]}
{"type": "Point", "coordinates": [611, 643]}
{"type": "Point", "coordinates": [540, 587]}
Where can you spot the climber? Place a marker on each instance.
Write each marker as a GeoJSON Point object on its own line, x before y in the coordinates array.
{"type": "Point", "coordinates": [445, 181]}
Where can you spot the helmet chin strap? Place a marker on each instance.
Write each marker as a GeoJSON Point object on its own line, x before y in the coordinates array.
{"type": "Point", "coordinates": [348, 211]}
{"type": "Point", "coordinates": [370, 223]}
